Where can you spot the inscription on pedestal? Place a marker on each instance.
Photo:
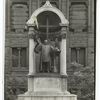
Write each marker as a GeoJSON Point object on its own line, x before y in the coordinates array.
{"type": "Point", "coordinates": [47, 84]}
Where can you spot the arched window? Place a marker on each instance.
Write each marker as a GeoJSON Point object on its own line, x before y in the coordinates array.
{"type": "Point", "coordinates": [19, 17]}
{"type": "Point", "coordinates": [19, 57]}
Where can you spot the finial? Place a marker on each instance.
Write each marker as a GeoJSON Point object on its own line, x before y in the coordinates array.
{"type": "Point", "coordinates": [47, 4]}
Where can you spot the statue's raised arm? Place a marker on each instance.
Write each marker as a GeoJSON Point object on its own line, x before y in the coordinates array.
{"type": "Point", "coordinates": [38, 46]}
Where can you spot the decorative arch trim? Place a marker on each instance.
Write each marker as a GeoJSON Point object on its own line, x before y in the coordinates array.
{"type": "Point", "coordinates": [47, 7]}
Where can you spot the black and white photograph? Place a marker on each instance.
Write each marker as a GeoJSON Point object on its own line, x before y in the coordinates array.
{"type": "Point", "coordinates": [50, 50]}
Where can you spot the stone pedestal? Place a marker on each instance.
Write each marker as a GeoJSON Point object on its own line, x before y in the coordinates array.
{"type": "Point", "coordinates": [47, 87]}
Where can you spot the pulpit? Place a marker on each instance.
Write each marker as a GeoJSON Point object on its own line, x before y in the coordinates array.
{"type": "Point", "coordinates": [50, 85]}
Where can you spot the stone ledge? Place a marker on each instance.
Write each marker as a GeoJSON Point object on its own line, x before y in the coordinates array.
{"type": "Point", "coordinates": [58, 94]}
{"type": "Point", "coordinates": [55, 96]}
{"type": "Point", "coordinates": [47, 75]}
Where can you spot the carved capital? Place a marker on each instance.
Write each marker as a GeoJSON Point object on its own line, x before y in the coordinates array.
{"type": "Point", "coordinates": [63, 32]}
{"type": "Point", "coordinates": [63, 36]}
{"type": "Point", "coordinates": [64, 25]}
{"type": "Point", "coordinates": [31, 36]}
{"type": "Point", "coordinates": [31, 33]}
{"type": "Point", "coordinates": [31, 28]}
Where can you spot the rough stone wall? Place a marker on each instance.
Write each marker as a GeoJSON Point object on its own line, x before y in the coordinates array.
{"type": "Point", "coordinates": [15, 78]}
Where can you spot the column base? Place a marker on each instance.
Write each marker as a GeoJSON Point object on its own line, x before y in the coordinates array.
{"type": "Point", "coordinates": [29, 74]}
{"type": "Point", "coordinates": [63, 74]}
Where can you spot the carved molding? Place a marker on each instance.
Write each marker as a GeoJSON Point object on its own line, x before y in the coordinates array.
{"type": "Point", "coordinates": [76, 1]}
{"type": "Point", "coordinates": [47, 7]}
{"type": "Point", "coordinates": [47, 4]}
{"type": "Point", "coordinates": [63, 35]}
{"type": "Point", "coordinates": [31, 36]}
{"type": "Point", "coordinates": [63, 32]}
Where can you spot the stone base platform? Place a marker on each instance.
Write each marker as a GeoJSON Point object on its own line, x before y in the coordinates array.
{"type": "Point", "coordinates": [47, 87]}
{"type": "Point", "coordinates": [47, 96]}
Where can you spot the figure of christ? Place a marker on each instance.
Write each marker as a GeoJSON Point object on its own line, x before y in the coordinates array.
{"type": "Point", "coordinates": [45, 50]}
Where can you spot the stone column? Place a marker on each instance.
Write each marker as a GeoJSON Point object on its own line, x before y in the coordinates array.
{"type": "Point", "coordinates": [63, 61]}
{"type": "Point", "coordinates": [19, 58]}
{"type": "Point", "coordinates": [32, 69]}
{"type": "Point", "coordinates": [78, 51]}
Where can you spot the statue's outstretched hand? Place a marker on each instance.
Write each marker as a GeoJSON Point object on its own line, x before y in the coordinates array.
{"type": "Point", "coordinates": [39, 41]}
{"type": "Point", "coordinates": [58, 50]}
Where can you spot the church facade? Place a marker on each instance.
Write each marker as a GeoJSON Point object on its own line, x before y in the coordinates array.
{"type": "Point", "coordinates": [80, 39]}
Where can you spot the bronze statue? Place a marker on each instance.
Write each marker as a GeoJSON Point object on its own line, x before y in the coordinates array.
{"type": "Point", "coordinates": [47, 52]}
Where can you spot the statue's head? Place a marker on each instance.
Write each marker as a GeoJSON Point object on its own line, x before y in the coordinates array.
{"type": "Point", "coordinates": [46, 41]}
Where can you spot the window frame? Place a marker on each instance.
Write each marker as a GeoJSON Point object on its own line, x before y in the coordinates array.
{"type": "Point", "coordinates": [18, 67]}
{"type": "Point", "coordinates": [78, 49]}
{"type": "Point", "coordinates": [85, 2]}
{"type": "Point", "coordinates": [11, 20]}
